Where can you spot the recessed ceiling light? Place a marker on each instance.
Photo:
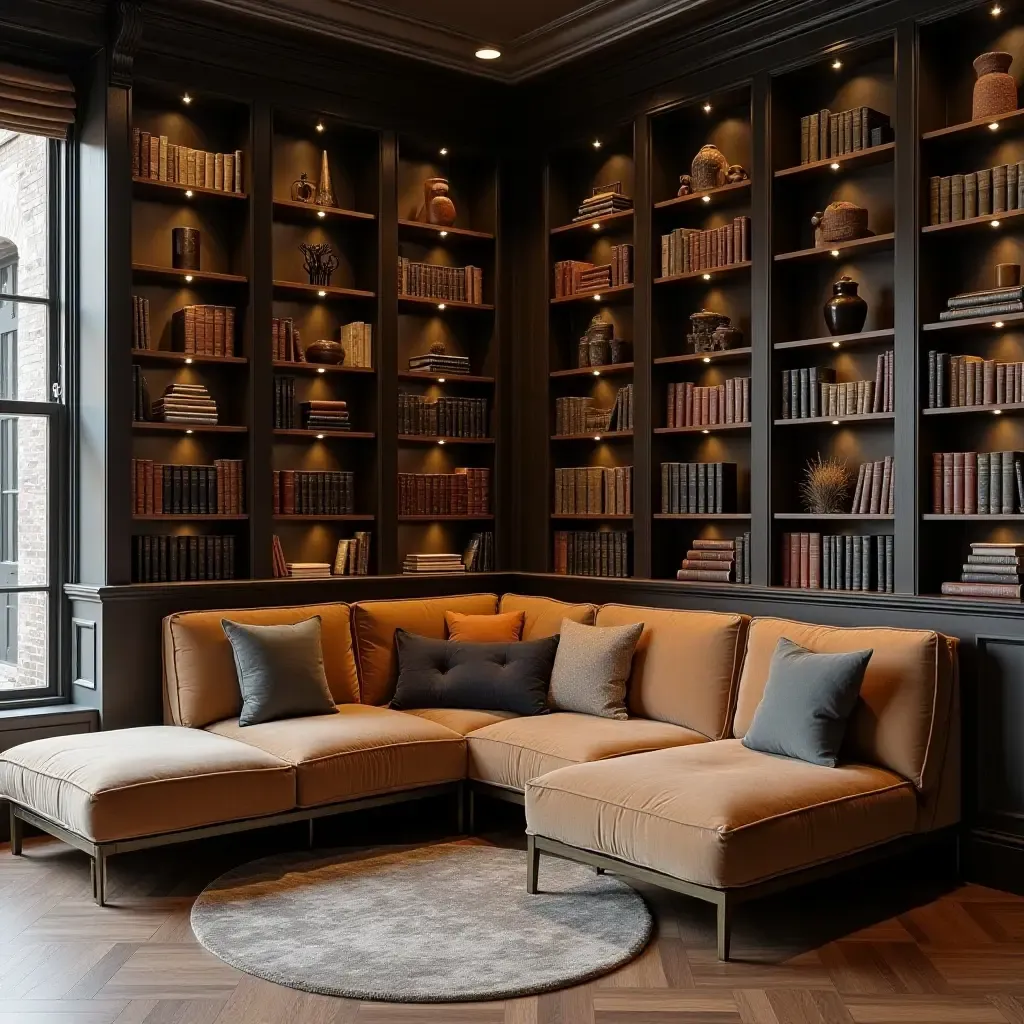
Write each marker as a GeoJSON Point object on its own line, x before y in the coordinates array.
{"type": "Point", "coordinates": [994, 223]}
{"type": "Point", "coordinates": [835, 423]}
{"type": "Point", "coordinates": [707, 108]}
{"type": "Point", "coordinates": [188, 431]}
{"type": "Point", "coordinates": [188, 278]}
{"type": "Point", "coordinates": [596, 225]}
{"type": "Point", "coordinates": [836, 64]}
{"type": "Point", "coordinates": [835, 252]}
{"type": "Point", "coordinates": [998, 324]}
{"type": "Point", "coordinates": [705, 431]}
{"type": "Point", "coordinates": [440, 440]}
{"type": "Point", "coordinates": [443, 151]}
{"type": "Point", "coordinates": [996, 10]}
{"type": "Point", "coordinates": [440, 305]}
{"type": "Point", "coordinates": [707, 277]}
{"type": "Point", "coordinates": [321, 214]}
{"type": "Point", "coordinates": [186, 99]}
{"type": "Point", "coordinates": [488, 53]}
{"type": "Point", "coordinates": [188, 362]}
{"type": "Point", "coordinates": [994, 126]}
{"type": "Point", "coordinates": [597, 298]}
{"type": "Point", "coordinates": [834, 166]}
{"type": "Point", "coordinates": [835, 344]}
{"type": "Point", "coordinates": [597, 373]}
{"type": "Point", "coordinates": [322, 294]}
{"type": "Point", "coordinates": [596, 143]}
{"type": "Point", "coordinates": [706, 199]}
{"type": "Point", "coordinates": [319, 126]}
{"type": "Point", "coordinates": [443, 234]}
{"type": "Point", "coordinates": [188, 193]}
{"type": "Point", "coordinates": [441, 380]}
{"type": "Point", "coordinates": [597, 437]}
{"type": "Point", "coordinates": [707, 359]}
{"type": "Point", "coordinates": [319, 437]}
{"type": "Point", "coordinates": [997, 412]}
{"type": "Point", "coordinates": [320, 369]}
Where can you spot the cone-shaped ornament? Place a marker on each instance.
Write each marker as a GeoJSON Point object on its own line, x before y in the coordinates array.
{"type": "Point", "coordinates": [324, 190]}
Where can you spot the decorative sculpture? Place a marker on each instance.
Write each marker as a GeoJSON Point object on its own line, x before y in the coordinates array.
{"type": "Point", "coordinates": [319, 262]}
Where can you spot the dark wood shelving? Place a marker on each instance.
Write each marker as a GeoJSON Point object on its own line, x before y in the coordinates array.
{"type": "Point", "coordinates": [703, 428]}
{"type": "Point", "coordinates": [293, 367]}
{"type": "Point", "coordinates": [146, 271]}
{"type": "Point", "coordinates": [291, 208]}
{"type": "Point", "coordinates": [999, 219]}
{"type": "Point", "coordinates": [173, 191]}
{"type": "Point", "coordinates": [864, 417]}
{"type": "Point", "coordinates": [427, 439]}
{"type": "Point", "coordinates": [973, 322]}
{"type": "Point", "coordinates": [941, 517]}
{"type": "Point", "coordinates": [861, 158]}
{"type": "Point", "coordinates": [724, 356]}
{"type": "Point", "coordinates": [315, 435]}
{"type": "Point", "coordinates": [419, 227]}
{"type": "Point", "coordinates": [737, 191]}
{"type": "Point", "coordinates": [159, 427]}
{"type": "Point", "coordinates": [839, 340]}
{"type": "Point", "coordinates": [156, 355]}
{"type": "Point", "coordinates": [851, 517]}
{"type": "Point", "coordinates": [729, 516]}
{"type": "Point", "coordinates": [174, 517]}
{"type": "Point", "coordinates": [989, 410]}
{"type": "Point", "coordinates": [619, 293]}
{"type": "Point", "coordinates": [857, 247]}
{"type": "Point", "coordinates": [354, 518]}
{"type": "Point", "coordinates": [708, 274]}
{"type": "Point", "coordinates": [415, 300]}
{"type": "Point", "coordinates": [979, 126]}
{"type": "Point", "coordinates": [609, 370]}
{"type": "Point", "coordinates": [593, 516]}
{"type": "Point", "coordinates": [588, 224]}
{"type": "Point", "coordinates": [306, 291]}
{"type": "Point", "coordinates": [599, 435]}
{"type": "Point", "coordinates": [444, 378]}
{"type": "Point", "coordinates": [446, 519]}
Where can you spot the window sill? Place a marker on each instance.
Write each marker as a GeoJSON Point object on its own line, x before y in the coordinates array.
{"type": "Point", "coordinates": [48, 714]}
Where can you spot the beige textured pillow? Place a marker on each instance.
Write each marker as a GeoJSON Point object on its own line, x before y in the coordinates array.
{"type": "Point", "coordinates": [592, 665]}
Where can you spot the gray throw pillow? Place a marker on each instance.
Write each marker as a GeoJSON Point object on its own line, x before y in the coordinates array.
{"type": "Point", "coordinates": [807, 703]}
{"type": "Point", "coordinates": [592, 666]}
{"type": "Point", "coordinates": [280, 670]}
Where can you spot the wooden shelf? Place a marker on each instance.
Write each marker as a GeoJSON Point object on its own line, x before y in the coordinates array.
{"type": "Point", "coordinates": [156, 355]}
{"type": "Point", "coordinates": [703, 428]}
{"type": "Point", "coordinates": [283, 518]}
{"type": "Point", "coordinates": [856, 247]}
{"type": "Point", "coordinates": [593, 516]}
{"type": "Point", "coordinates": [306, 291]}
{"type": "Point", "coordinates": [709, 274]}
{"type": "Point", "coordinates": [292, 208]}
{"type": "Point", "coordinates": [315, 435]}
{"type": "Point", "coordinates": [862, 158]}
{"type": "Point", "coordinates": [725, 356]}
{"type": "Point", "coordinates": [174, 517]}
{"type": "Point", "coordinates": [444, 378]}
{"type": "Point", "coordinates": [973, 223]}
{"type": "Point", "coordinates": [620, 293]}
{"type": "Point", "coordinates": [173, 191]}
{"type": "Point", "coordinates": [597, 435]}
{"type": "Point", "coordinates": [415, 300]}
{"type": "Point", "coordinates": [427, 439]}
{"type": "Point", "coordinates": [293, 367]}
{"type": "Point", "coordinates": [445, 519]}
{"type": "Point", "coordinates": [615, 219]}
{"type": "Point", "coordinates": [610, 370]}
{"type": "Point", "coordinates": [738, 516]}
{"type": "Point", "coordinates": [864, 417]}
{"type": "Point", "coordinates": [851, 517]}
{"type": "Point", "coordinates": [989, 410]}
{"type": "Point", "coordinates": [159, 427]}
{"type": "Point", "coordinates": [839, 340]}
{"type": "Point", "coordinates": [976, 321]}
{"type": "Point", "coordinates": [1010, 120]}
{"type": "Point", "coordinates": [418, 227]}
{"type": "Point", "coordinates": [146, 271]}
{"type": "Point", "coordinates": [1006, 517]}
{"type": "Point", "coordinates": [716, 197]}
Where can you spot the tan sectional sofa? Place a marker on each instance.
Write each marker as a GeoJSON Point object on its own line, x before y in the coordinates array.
{"type": "Point", "coordinates": [669, 795]}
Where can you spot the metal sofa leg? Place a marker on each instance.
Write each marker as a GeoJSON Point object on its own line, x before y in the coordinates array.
{"type": "Point", "coordinates": [17, 832]}
{"type": "Point", "coordinates": [532, 865]}
{"type": "Point", "coordinates": [470, 810]}
{"type": "Point", "coordinates": [99, 877]}
{"type": "Point", "coordinates": [724, 926]}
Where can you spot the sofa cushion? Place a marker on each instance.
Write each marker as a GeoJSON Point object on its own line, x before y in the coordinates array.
{"type": "Point", "coordinates": [501, 628]}
{"type": "Point", "coordinates": [126, 783]}
{"type": "Point", "coordinates": [358, 751]}
{"type": "Point", "coordinates": [511, 753]}
{"type": "Point", "coordinates": [902, 718]}
{"type": "Point", "coordinates": [200, 684]}
{"type": "Point", "coordinates": [719, 814]}
{"type": "Point", "coordinates": [373, 630]}
{"type": "Point", "coordinates": [685, 665]}
{"type": "Point", "coordinates": [544, 615]}
{"type": "Point", "coordinates": [460, 720]}
{"type": "Point", "coordinates": [591, 668]}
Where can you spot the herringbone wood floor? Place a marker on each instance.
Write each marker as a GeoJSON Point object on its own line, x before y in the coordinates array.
{"type": "Point", "coordinates": [887, 948]}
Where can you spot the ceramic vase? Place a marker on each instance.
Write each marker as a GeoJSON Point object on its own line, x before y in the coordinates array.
{"type": "Point", "coordinates": [438, 207]}
{"type": "Point", "coordinates": [995, 91]}
{"type": "Point", "coordinates": [846, 311]}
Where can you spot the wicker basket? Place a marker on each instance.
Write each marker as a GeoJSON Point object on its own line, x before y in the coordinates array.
{"type": "Point", "coordinates": [841, 222]}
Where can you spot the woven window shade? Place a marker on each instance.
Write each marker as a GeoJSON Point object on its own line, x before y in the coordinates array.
{"type": "Point", "coordinates": [35, 102]}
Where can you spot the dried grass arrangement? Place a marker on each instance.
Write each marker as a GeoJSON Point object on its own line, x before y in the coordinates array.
{"type": "Point", "coordinates": [826, 486]}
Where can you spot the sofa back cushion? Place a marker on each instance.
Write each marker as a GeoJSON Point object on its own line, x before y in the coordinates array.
{"type": "Point", "coordinates": [685, 665]}
{"type": "Point", "coordinates": [544, 614]}
{"type": "Point", "coordinates": [373, 630]}
{"type": "Point", "coordinates": [200, 683]}
{"type": "Point", "coordinates": [903, 716]}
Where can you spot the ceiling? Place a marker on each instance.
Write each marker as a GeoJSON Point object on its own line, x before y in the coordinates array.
{"type": "Point", "coordinates": [533, 35]}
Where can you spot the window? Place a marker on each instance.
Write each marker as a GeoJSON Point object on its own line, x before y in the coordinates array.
{"type": "Point", "coordinates": [32, 419]}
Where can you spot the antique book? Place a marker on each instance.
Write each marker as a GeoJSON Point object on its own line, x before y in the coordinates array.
{"type": "Point", "coordinates": [995, 591]}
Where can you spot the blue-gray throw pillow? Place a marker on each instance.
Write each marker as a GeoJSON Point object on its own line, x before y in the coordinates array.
{"type": "Point", "coordinates": [484, 676]}
{"type": "Point", "coordinates": [807, 703]}
{"type": "Point", "coordinates": [280, 670]}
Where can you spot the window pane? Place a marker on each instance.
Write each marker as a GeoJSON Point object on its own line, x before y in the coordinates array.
{"type": "Point", "coordinates": [24, 468]}
{"type": "Point", "coordinates": [24, 206]}
{"type": "Point", "coordinates": [24, 352]}
{"type": "Point", "coordinates": [24, 625]}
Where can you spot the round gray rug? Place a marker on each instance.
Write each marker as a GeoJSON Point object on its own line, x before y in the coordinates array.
{"type": "Point", "coordinates": [432, 924]}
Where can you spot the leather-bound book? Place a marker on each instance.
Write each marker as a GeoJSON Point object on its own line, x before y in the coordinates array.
{"type": "Point", "coordinates": [984, 192]}
{"type": "Point", "coordinates": [787, 556]}
{"type": "Point", "coordinates": [995, 483]}
{"type": "Point", "coordinates": [984, 470]}
{"type": "Point", "coordinates": [991, 591]}
{"type": "Point", "coordinates": [1020, 184]}
{"type": "Point", "coordinates": [999, 188]}
{"type": "Point", "coordinates": [956, 197]}
{"type": "Point", "coordinates": [947, 483]}
{"type": "Point", "coordinates": [703, 576]}
{"type": "Point", "coordinates": [712, 554]}
{"type": "Point", "coordinates": [970, 483]}
{"type": "Point", "coordinates": [1009, 482]}
{"type": "Point", "coordinates": [804, 563]}
{"type": "Point", "coordinates": [958, 483]}
{"type": "Point", "coordinates": [970, 195]}
{"type": "Point", "coordinates": [707, 544]}
{"type": "Point", "coordinates": [1011, 186]}
{"type": "Point", "coordinates": [814, 561]}
{"type": "Point", "coordinates": [814, 139]}
{"type": "Point", "coordinates": [945, 199]}
{"type": "Point", "coordinates": [981, 577]}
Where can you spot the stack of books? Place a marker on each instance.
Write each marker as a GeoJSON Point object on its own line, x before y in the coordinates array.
{"type": "Point", "coordinates": [838, 562]}
{"type": "Point", "coordinates": [961, 380]}
{"type": "Point", "coordinates": [991, 571]}
{"type": "Point", "coordinates": [309, 570]}
{"type": "Point", "coordinates": [601, 203]}
{"type": "Point", "coordinates": [433, 362]}
{"type": "Point", "coordinates": [717, 561]}
{"type": "Point", "coordinates": [977, 483]}
{"type": "Point", "coordinates": [421, 564]}
{"type": "Point", "coordinates": [698, 487]}
{"type": "Point", "coordinates": [875, 493]}
{"type": "Point", "coordinates": [186, 403]}
{"type": "Point", "coordinates": [141, 337]}
{"type": "Point", "coordinates": [992, 302]}
{"type": "Point", "coordinates": [353, 556]}
{"type": "Point", "coordinates": [479, 553]}
{"type": "Point", "coordinates": [326, 414]}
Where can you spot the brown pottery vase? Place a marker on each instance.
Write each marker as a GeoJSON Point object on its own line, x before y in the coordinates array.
{"type": "Point", "coordinates": [438, 207]}
{"type": "Point", "coordinates": [995, 91]}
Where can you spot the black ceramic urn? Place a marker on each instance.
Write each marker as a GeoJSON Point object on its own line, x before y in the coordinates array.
{"type": "Point", "coordinates": [846, 311]}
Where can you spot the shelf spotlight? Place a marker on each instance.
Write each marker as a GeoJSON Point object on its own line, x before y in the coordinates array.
{"type": "Point", "coordinates": [188, 431]}
{"type": "Point", "coordinates": [597, 373]}
{"type": "Point", "coordinates": [834, 165]}
{"type": "Point", "coordinates": [836, 64]}
{"type": "Point", "coordinates": [707, 359]}
{"type": "Point", "coordinates": [596, 143]}
{"type": "Point", "coordinates": [998, 324]}
{"type": "Point", "coordinates": [188, 278]}
{"type": "Point", "coordinates": [443, 234]}
{"type": "Point", "coordinates": [188, 362]}
{"type": "Point", "coordinates": [322, 294]}
{"type": "Point", "coordinates": [319, 437]}
{"type": "Point", "coordinates": [996, 11]}
{"type": "Point", "coordinates": [707, 108]}
{"type": "Point", "coordinates": [707, 277]}
{"type": "Point", "coordinates": [596, 225]}
{"type": "Point", "coordinates": [705, 199]}
{"type": "Point", "coordinates": [188, 193]}
{"type": "Point", "coordinates": [440, 305]}
{"type": "Point", "coordinates": [994, 223]}
{"type": "Point", "coordinates": [835, 344]}
{"type": "Point", "coordinates": [440, 440]}
{"type": "Point", "coordinates": [705, 431]}
{"type": "Point", "coordinates": [441, 380]}
{"type": "Point", "coordinates": [321, 214]}
{"type": "Point", "coordinates": [320, 369]}
{"type": "Point", "coordinates": [994, 126]}
{"type": "Point", "coordinates": [597, 437]}
{"type": "Point", "coordinates": [835, 423]}
{"type": "Point", "coordinates": [319, 126]}
{"type": "Point", "coordinates": [443, 151]}
{"type": "Point", "coordinates": [597, 298]}
{"type": "Point", "coordinates": [186, 99]}
{"type": "Point", "coordinates": [835, 252]}
{"type": "Point", "coordinates": [487, 53]}
{"type": "Point", "coordinates": [997, 412]}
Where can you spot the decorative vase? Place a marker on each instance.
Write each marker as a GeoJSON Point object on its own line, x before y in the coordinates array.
{"type": "Point", "coordinates": [840, 222]}
{"type": "Point", "coordinates": [324, 188]}
{"type": "Point", "coordinates": [1007, 275]}
{"type": "Point", "coordinates": [185, 248]}
{"type": "Point", "coordinates": [622, 350]}
{"type": "Point", "coordinates": [303, 190]}
{"type": "Point", "coordinates": [709, 168]}
{"type": "Point", "coordinates": [438, 207]}
{"type": "Point", "coordinates": [725, 336]}
{"type": "Point", "coordinates": [995, 91]}
{"type": "Point", "coordinates": [846, 311]}
{"type": "Point", "coordinates": [326, 351]}
{"type": "Point", "coordinates": [702, 329]}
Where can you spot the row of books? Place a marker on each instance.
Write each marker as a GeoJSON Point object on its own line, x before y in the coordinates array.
{"type": "Point", "coordinates": [356, 339]}
{"type": "Point", "coordinates": [690, 405]}
{"type": "Point", "coordinates": [622, 411]}
{"type": "Point", "coordinates": [156, 158]}
{"type": "Point", "coordinates": [992, 570]}
{"type": "Point", "coordinates": [602, 203]}
{"type": "Point", "coordinates": [594, 490]}
{"type": "Point", "coordinates": [573, 277]}
{"type": "Point", "coordinates": [141, 336]}
{"type": "Point", "coordinates": [162, 489]}
{"type": "Point", "coordinates": [442, 417]}
{"type": "Point", "coordinates": [977, 194]}
{"type": "Point", "coordinates": [185, 403]}
{"type": "Point", "coordinates": [466, 492]}
{"type": "Point", "coordinates": [579, 415]}
{"type": "Point", "coordinates": [977, 483]}
{"type": "Point", "coordinates": [176, 558]}
{"type": "Point", "coordinates": [812, 391]}
{"type": "Point", "coordinates": [698, 487]}
{"type": "Point", "coordinates": [286, 341]}
{"type": "Point", "coordinates": [445, 284]}
{"type": "Point", "coordinates": [298, 492]}
{"type": "Point", "coordinates": [824, 135]}
{"type": "Point", "coordinates": [592, 553]}
{"type": "Point", "coordinates": [961, 380]}
{"type": "Point", "coordinates": [875, 491]}
{"type": "Point", "coordinates": [690, 250]}
{"type": "Point", "coordinates": [204, 330]}
{"type": "Point", "coordinates": [352, 558]}
{"type": "Point", "coordinates": [992, 302]}
{"type": "Point", "coordinates": [479, 553]}
{"type": "Point", "coordinates": [357, 343]}
{"type": "Point", "coordinates": [717, 561]}
{"type": "Point", "coordinates": [838, 562]}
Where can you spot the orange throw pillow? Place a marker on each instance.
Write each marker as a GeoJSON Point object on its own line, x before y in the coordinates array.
{"type": "Point", "coordinates": [504, 628]}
